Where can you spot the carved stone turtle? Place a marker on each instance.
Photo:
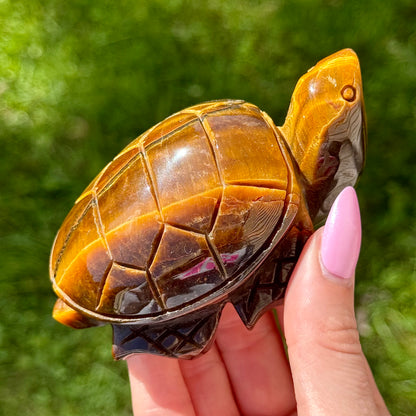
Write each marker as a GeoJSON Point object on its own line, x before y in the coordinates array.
{"type": "Point", "coordinates": [212, 205]}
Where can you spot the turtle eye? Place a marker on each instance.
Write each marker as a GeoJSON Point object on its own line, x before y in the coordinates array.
{"type": "Point", "coordinates": [348, 93]}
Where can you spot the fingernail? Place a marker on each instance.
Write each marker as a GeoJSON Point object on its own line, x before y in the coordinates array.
{"type": "Point", "coordinates": [341, 239]}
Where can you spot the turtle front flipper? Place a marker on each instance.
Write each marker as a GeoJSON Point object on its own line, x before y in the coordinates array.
{"type": "Point", "coordinates": [267, 286]}
{"type": "Point", "coordinates": [183, 337]}
{"type": "Point", "coordinates": [72, 318]}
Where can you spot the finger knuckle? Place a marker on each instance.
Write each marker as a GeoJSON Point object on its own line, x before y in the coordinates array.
{"type": "Point", "coordinates": [340, 334]}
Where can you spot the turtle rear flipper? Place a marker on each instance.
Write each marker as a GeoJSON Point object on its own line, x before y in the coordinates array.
{"type": "Point", "coordinates": [183, 337]}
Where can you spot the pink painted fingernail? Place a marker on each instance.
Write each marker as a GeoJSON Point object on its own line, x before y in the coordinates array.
{"type": "Point", "coordinates": [341, 239]}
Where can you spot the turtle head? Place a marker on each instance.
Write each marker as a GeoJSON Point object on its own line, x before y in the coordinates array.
{"type": "Point", "coordinates": [325, 129]}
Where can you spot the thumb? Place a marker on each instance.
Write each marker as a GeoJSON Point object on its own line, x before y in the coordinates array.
{"type": "Point", "coordinates": [330, 373]}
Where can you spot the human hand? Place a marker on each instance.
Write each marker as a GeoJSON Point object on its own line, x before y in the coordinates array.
{"type": "Point", "coordinates": [248, 373]}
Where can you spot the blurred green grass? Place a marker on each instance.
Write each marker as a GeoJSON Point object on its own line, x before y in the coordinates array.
{"type": "Point", "coordinates": [79, 80]}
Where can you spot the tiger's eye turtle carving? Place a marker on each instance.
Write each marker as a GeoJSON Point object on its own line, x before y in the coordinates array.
{"type": "Point", "coordinates": [212, 205]}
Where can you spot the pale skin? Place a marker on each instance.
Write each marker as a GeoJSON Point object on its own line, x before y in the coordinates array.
{"type": "Point", "coordinates": [249, 373]}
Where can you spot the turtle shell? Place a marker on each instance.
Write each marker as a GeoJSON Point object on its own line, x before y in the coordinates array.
{"type": "Point", "coordinates": [180, 218]}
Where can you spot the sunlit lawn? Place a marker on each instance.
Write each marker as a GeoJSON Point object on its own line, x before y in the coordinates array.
{"type": "Point", "coordinates": [79, 80]}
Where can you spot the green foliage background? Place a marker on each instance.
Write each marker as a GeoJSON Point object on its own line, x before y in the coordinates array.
{"type": "Point", "coordinates": [80, 79]}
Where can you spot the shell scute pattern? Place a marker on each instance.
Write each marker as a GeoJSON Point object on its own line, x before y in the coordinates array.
{"type": "Point", "coordinates": [156, 230]}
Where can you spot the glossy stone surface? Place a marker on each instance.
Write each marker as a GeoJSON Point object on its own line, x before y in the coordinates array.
{"type": "Point", "coordinates": [205, 208]}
